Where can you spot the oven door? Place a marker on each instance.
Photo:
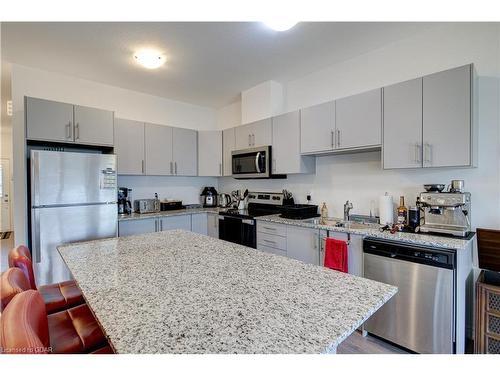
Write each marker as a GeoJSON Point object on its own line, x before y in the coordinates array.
{"type": "Point", "coordinates": [238, 230]}
{"type": "Point", "coordinates": [251, 163]}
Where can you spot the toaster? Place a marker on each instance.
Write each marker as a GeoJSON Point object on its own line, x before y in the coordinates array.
{"type": "Point", "coordinates": [144, 206]}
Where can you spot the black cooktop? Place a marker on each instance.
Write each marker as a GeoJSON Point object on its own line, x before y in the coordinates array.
{"type": "Point", "coordinates": [258, 209]}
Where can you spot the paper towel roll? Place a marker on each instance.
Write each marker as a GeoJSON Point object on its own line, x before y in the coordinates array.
{"type": "Point", "coordinates": [386, 209]}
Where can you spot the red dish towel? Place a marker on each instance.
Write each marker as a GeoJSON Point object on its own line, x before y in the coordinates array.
{"type": "Point", "coordinates": [336, 254]}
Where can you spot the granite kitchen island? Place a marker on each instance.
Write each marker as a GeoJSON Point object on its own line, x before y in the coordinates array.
{"type": "Point", "coordinates": [181, 292]}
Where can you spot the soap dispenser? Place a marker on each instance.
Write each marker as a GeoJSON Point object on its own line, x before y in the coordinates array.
{"type": "Point", "coordinates": [324, 211]}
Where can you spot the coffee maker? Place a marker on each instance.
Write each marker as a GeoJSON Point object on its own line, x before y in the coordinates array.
{"type": "Point", "coordinates": [124, 206]}
{"type": "Point", "coordinates": [446, 213]}
{"type": "Point", "coordinates": [209, 196]}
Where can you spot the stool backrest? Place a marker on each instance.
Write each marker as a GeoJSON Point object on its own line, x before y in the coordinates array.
{"type": "Point", "coordinates": [20, 257]}
{"type": "Point", "coordinates": [24, 327]}
{"type": "Point", "coordinates": [488, 249]}
{"type": "Point", "coordinates": [12, 282]}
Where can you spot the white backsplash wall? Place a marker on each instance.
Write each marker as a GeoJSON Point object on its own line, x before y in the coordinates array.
{"type": "Point", "coordinates": [187, 189]}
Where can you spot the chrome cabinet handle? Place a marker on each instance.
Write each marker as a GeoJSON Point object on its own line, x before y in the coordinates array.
{"type": "Point", "coordinates": [253, 139]}
{"type": "Point", "coordinates": [338, 137]}
{"type": "Point", "coordinates": [417, 153]}
{"type": "Point", "coordinates": [77, 131]}
{"type": "Point", "coordinates": [270, 228]}
{"type": "Point", "coordinates": [142, 166]}
{"type": "Point", "coordinates": [171, 168]}
{"type": "Point", "coordinates": [68, 130]}
{"type": "Point", "coordinates": [333, 139]}
{"type": "Point", "coordinates": [175, 164]}
{"type": "Point", "coordinates": [249, 140]}
{"type": "Point", "coordinates": [269, 241]}
{"type": "Point", "coordinates": [427, 153]}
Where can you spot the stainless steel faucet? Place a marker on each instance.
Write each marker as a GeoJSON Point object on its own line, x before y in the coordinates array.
{"type": "Point", "coordinates": [347, 208]}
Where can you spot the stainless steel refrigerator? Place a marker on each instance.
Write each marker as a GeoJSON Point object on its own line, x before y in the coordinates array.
{"type": "Point", "coordinates": [73, 198]}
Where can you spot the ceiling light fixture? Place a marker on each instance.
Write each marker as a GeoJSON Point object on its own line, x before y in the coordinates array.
{"type": "Point", "coordinates": [149, 58]}
{"type": "Point", "coordinates": [280, 24]}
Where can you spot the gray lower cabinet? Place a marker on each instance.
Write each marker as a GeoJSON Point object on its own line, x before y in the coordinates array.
{"type": "Point", "coordinates": [354, 248]}
{"type": "Point", "coordinates": [358, 120]}
{"type": "Point", "coordinates": [175, 222]}
{"type": "Point", "coordinates": [403, 125]}
{"type": "Point", "coordinates": [213, 225]}
{"type": "Point", "coordinates": [199, 223]}
{"type": "Point", "coordinates": [228, 146]}
{"type": "Point", "coordinates": [303, 244]}
{"type": "Point", "coordinates": [286, 146]}
{"type": "Point", "coordinates": [129, 146]}
{"type": "Point", "coordinates": [132, 227]}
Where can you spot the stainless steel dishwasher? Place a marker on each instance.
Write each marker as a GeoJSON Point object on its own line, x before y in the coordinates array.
{"type": "Point", "coordinates": [421, 316]}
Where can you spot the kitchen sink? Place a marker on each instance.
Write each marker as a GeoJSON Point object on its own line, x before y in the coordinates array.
{"type": "Point", "coordinates": [333, 222]}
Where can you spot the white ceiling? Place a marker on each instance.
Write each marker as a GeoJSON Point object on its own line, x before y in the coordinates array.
{"type": "Point", "coordinates": [208, 64]}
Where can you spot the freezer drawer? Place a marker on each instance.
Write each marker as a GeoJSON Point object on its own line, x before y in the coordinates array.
{"type": "Point", "coordinates": [420, 316]}
{"type": "Point", "coordinates": [53, 226]}
{"type": "Point", "coordinates": [62, 178]}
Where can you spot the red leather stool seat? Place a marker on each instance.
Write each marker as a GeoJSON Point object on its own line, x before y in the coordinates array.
{"type": "Point", "coordinates": [24, 328]}
{"type": "Point", "coordinates": [12, 282]}
{"type": "Point", "coordinates": [75, 331]}
{"type": "Point", "coordinates": [58, 296]}
{"type": "Point", "coordinates": [104, 350]}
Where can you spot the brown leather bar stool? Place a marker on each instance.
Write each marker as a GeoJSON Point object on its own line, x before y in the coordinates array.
{"type": "Point", "coordinates": [25, 327]}
{"type": "Point", "coordinates": [57, 297]}
{"type": "Point", "coordinates": [12, 282]}
{"type": "Point", "coordinates": [488, 248]}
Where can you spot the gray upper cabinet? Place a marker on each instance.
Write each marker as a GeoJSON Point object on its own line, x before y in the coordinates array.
{"type": "Point", "coordinates": [286, 146]}
{"type": "Point", "coordinates": [210, 153]}
{"type": "Point", "coordinates": [228, 146]}
{"type": "Point", "coordinates": [62, 122]}
{"type": "Point", "coordinates": [402, 140]}
{"type": "Point", "coordinates": [184, 152]}
{"type": "Point", "coordinates": [255, 134]}
{"type": "Point", "coordinates": [447, 120]}
{"type": "Point", "coordinates": [358, 120]}
{"type": "Point", "coordinates": [317, 128]}
{"type": "Point", "coordinates": [48, 120]}
{"type": "Point", "coordinates": [158, 150]}
{"type": "Point", "coordinates": [129, 146]}
{"type": "Point", "coordinates": [93, 126]}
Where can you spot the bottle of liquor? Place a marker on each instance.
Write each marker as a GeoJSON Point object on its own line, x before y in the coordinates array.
{"type": "Point", "coordinates": [402, 212]}
{"type": "Point", "coordinates": [324, 211]}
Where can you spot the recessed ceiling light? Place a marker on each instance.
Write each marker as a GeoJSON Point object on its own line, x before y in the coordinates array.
{"type": "Point", "coordinates": [149, 58]}
{"type": "Point", "coordinates": [280, 25]}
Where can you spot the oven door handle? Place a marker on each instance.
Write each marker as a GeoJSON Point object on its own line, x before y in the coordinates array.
{"type": "Point", "coordinates": [257, 157]}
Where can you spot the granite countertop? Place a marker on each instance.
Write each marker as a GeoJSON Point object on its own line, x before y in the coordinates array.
{"type": "Point", "coordinates": [184, 211]}
{"type": "Point", "coordinates": [181, 292]}
{"type": "Point", "coordinates": [372, 230]}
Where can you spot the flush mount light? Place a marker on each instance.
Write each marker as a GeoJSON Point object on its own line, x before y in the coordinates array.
{"type": "Point", "coordinates": [280, 25]}
{"type": "Point", "coordinates": [150, 59]}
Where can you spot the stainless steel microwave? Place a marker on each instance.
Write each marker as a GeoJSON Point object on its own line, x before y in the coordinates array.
{"type": "Point", "coordinates": [252, 162]}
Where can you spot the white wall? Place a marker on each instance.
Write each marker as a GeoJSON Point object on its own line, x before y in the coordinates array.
{"type": "Point", "coordinates": [359, 177]}
{"type": "Point", "coordinates": [229, 116]}
{"type": "Point", "coordinates": [126, 104]}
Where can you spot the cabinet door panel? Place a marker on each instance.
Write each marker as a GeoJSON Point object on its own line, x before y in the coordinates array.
{"type": "Point", "coordinates": [303, 244]}
{"type": "Point", "coordinates": [185, 152]}
{"type": "Point", "coordinates": [131, 227]}
{"type": "Point", "coordinates": [176, 222]}
{"type": "Point", "coordinates": [213, 225]}
{"type": "Point", "coordinates": [48, 120]}
{"type": "Point", "coordinates": [93, 126]}
{"type": "Point", "coordinates": [317, 126]}
{"type": "Point", "coordinates": [402, 146]}
{"type": "Point", "coordinates": [243, 136]}
{"type": "Point", "coordinates": [228, 142]}
{"type": "Point", "coordinates": [286, 146]}
{"type": "Point", "coordinates": [199, 223]}
{"type": "Point", "coordinates": [129, 146]}
{"type": "Point", "coordinates": [354, 249]}
{"type": "Point", "coordinates": [359, 120]}
{"type": "Point", "coordinates": [447, 118]}
{"type": "Point", "coordinates": [210, 153]}
{"type": "Point", "coordinates": [158, 149]}
{"type": "Point", "coordinates": [262, 133]}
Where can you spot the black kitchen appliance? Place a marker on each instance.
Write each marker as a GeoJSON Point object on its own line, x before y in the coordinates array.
{"type": "Point", "coordinates": [299, 211]}
{"type": "Point", "coordinates": [209, 196]}
{"type": "Point", "coordinates": [124, 205]}
{"type": "Point", "coordinates": [171, 205]}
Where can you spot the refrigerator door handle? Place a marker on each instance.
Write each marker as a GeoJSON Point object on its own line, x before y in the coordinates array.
{"type": "Point", "coordinates": [35, 177]}
{"type": "Point", "coordinates": [35, 246]}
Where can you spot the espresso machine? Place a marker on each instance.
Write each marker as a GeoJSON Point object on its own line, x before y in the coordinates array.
{"type": "Point", "coordinates": [446, 212]}
{"type": "Point", "coordinates": [124, 206]}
